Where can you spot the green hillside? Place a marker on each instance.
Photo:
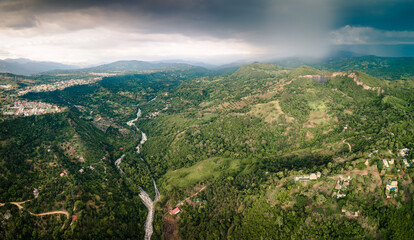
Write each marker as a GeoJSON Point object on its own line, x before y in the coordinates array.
{"type": "Point", "coordinates": [225, 149]}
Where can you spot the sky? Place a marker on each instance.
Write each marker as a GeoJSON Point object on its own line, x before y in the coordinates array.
{"type": "Point", "coordinates": [84, 32]}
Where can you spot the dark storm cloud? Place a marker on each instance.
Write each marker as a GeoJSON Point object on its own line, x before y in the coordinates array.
{"type": "Point", "coordinates": [380, 14]}
{"type": "Point", "coordinates": [280, 26]}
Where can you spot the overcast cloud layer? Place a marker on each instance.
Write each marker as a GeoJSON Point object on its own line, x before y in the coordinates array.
{"type": "Point", "coordinates": [214, 31]}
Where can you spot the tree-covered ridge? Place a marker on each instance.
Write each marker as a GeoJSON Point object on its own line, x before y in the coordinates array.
{"type": "Point", "coordinates": [35, 152]}
{"type": "Point", "coordinates": [390, 68]}
{"type": "Point", "coordinates": [384, 67]}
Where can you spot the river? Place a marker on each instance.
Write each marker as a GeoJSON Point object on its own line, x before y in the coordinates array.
{"type": "Point", "coordinates": [145, 198]}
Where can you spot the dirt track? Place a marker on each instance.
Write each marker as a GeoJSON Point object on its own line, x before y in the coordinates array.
{"type": "Point", "coordinates": [349, 145]}
{"type": "Point", "coordinates": [195, 194]}
{"type": "Point", "coordinates": [19, 205]}
{"type": "Point", "coordinates": [50, 213]}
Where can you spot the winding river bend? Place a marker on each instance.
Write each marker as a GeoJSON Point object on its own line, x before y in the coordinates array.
{"type": "Point", "coordinates": [145, 198]}
{"type": "Point", "coordinates": [118, 162]}
{"type": "Point", "coordinates": [143, 135]}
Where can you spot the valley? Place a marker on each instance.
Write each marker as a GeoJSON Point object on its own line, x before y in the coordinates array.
{"type": "Point", "coordinates": [265, 151]}
{"type": "Point", "coordinates": [206, 120]}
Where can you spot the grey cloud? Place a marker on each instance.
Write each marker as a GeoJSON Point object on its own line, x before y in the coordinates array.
{"type": "Point", "coordinates": [349, 35]}
{"type": "Point", "coordinates": [280, 26]}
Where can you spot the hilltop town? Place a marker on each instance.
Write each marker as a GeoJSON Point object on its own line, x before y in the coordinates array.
{"type": "Point", "coordinates": [58, 85]}
{"type": "Point", "coordinates": [25, 108]}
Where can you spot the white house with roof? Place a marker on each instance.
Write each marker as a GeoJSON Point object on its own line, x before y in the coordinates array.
{"type": "Point", "coordinates": [312, 176]}
{"type": "Point", "coordinates": [386, 165]}
{"type": "Point", "coordinates": [404, 152]}
{"type": "Point", "coordinates": [406, 163]}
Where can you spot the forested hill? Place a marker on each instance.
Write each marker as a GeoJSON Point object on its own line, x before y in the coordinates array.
{"type": "Point", "coordinates": [27, 67]}
{"type": "Point", "coordinates": [133, 66]}
{"type": "Point", "coordinates": [228, 150]}
{"type": "Point", "coordinates": [70, 163]}
{"type": "Point", "coordinates": [390, 68]}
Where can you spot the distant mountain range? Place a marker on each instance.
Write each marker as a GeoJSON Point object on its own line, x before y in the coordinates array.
{"type": "Point", "coordinates": [130, 66]}
{"type": "Point", "coordinates": [24, 66]}
{"type": "Point", "coordinates": [391, 68]}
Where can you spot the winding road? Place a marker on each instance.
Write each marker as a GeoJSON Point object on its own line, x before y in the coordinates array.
{"type": "Point", "coordinates": [349, 145]}
{"type": "Point", "coordinates": [195, 194]}
{"type": "Point", "coordinates": [19, 205]}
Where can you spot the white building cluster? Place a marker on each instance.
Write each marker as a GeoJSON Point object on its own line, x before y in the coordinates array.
{"type": "Point", "coordinates": [24, 108]}
{"type": "Point", "coordinates": [58, 85]}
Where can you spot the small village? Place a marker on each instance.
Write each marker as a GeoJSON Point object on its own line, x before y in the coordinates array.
{"type": "Point", "coordinates": [339, 186]}
{"type": "Point", "coordinates": [385, 174]}
{"type": "Point", "coordinates": [58, 85]}
{"type": "Point", "coordinates": [25, 108]}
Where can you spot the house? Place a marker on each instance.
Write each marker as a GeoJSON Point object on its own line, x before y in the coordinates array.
{"type": "Point", "coordinates": [312, 176]}
{"type": "Point", "coordinates": [7, 215]}
{"type": "Point", "coordinates": [74, 218]}
{"type": "Point", "coordinates": [406, 163]}
{"type": "Point", "coordinates": [342, 186]}
{"type": "Point", "coordinates": [175, 211]}
{"type": "Point", "coordinates": [301, 178]}
{"type": "Point", "coordinates": [340, 195]}
{"type": "Point", "coordinates": [391, 161]}
{"type": "Point", "coordinates": [386, 165]}
{"type": "Point", "coordinates": [391, 187]}
{"type": "Point", "coordinates": [36, 192]}
{"type": "Point", "coordinates": [63, 173]}
{"type": "Point", "coordinates": [404, 152]}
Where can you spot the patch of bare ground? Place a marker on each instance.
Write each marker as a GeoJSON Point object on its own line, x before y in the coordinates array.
{"type": "Point", "coordinates": [366, 87]}
{"type": "Point", "coordinates": [286, 132]}
{"type": "Point", "coordinates": [52, 164]}
{"type": "Point", "coordinates": [70, 151]}
{"type": "Point", "coordinates": [309, 136]}
{"type": "Point", "coordinates": [170, 228]}
{"type": "Point", "coordinates": [317, 185]}
{"type": "Point", "coordinates": [90, 204]}
{"type": "Point", "coordinates": [327, 131]}
{"type": "Point", "coordinates": [4, 143]}
{"type": "Point", "coordinates": [269, 112]}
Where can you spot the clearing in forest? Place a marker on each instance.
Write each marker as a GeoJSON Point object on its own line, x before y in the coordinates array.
{"type": "Point", "coordinates": [269, 112]}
